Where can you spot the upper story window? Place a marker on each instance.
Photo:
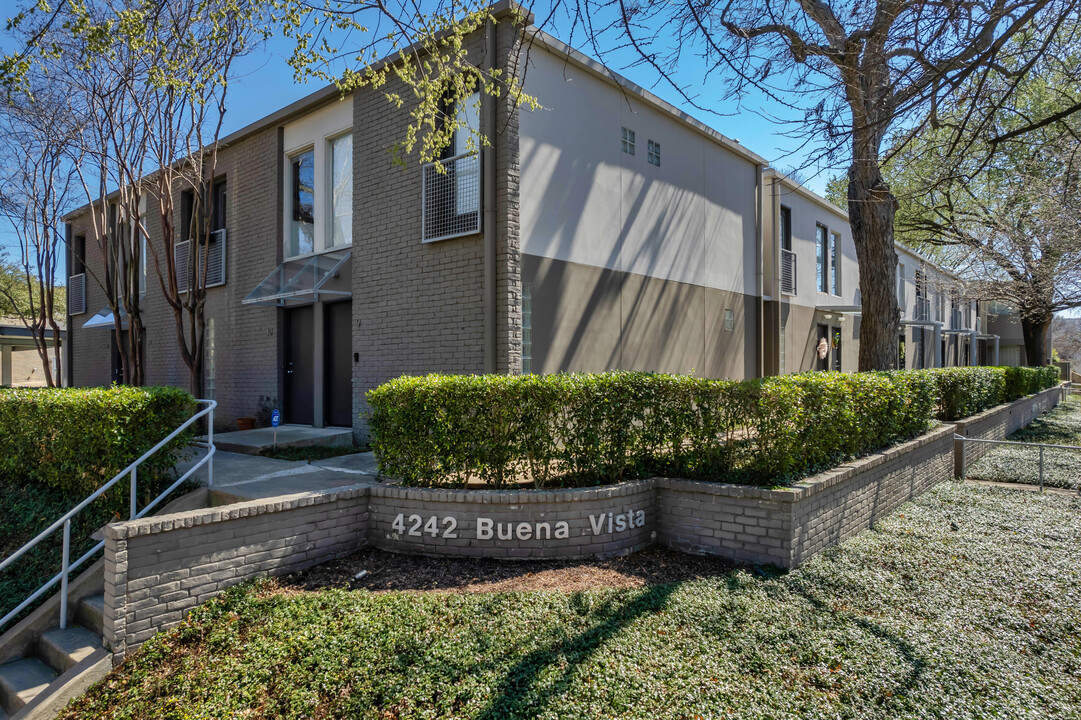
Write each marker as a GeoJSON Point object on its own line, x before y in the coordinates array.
{"type": "Point", "coordinates": [301, 203]}
{"type": "Point", "coordinates": [653, 156]}
{"type": "Point", "coordinates": [451, 186]}
{"type": "Point", "coordinates": [820, 259]}
{"type": "Point", "coordinates": [835, 263]}
{"type": "Point", "coordinates": [627, 140]}
{"type": "Point", "coordinates": [341, 190]}
{"type": "Point", "coordinates": [786, 228]}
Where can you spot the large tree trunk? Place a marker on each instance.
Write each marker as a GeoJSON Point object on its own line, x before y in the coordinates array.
{"type": "Point", "coordinates": [871, 207]}
{"type": "Point", "coordinates": [1034, 329]}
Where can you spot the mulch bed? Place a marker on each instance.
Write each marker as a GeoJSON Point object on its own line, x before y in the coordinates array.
{"type": "Point", "coordinates": [388, 572]}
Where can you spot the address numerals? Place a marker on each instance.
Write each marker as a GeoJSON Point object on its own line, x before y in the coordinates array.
{"type": "Point", "coordinates": [416, 526]}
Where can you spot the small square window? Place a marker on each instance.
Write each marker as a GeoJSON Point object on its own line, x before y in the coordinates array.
{"type": "Point", "coordinates": [628, 141]}
{"type": "Point", "coordinates": [654, 154]}
{"type": "Point", "coordinates": [729, 319]}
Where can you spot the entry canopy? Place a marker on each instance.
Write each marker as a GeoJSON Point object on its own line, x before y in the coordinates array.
{"type": "Point", "coordinates": [301, 281]}
{"type": "Point", "coordinates": [104, 319]}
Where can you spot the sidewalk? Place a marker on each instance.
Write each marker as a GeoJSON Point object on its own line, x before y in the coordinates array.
{"type": "Point", "coordinates": [250, 477]}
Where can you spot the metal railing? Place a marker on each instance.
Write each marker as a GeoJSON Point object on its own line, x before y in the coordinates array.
{"type": "Point", "coordinates": [451, 197]}
{"type": "Point", "coordinates": [131, 471]}
{"type": "Point", "coordinates": [923, 309]}
{"type": "Point", "coordinates": [788, 272]}
{"type": "Point", "coordinates": [1042, 447]}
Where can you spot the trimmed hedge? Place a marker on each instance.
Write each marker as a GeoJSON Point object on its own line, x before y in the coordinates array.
{"type": "Point", "coordinates": [76, 439]}
{"type": "Point", "coordinates": [57, 446]}
{"type": "Point", "coordinates": [587, 429]}
{"type": "Point", "coordinates": [964, 391]}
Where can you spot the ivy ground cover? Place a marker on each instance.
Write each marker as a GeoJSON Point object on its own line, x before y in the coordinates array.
{"type": "Point", "coordinates": [963, 604]}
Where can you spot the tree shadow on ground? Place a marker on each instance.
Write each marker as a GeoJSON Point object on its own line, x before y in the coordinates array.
{"type": "Point", "coordinates": [518, 695]}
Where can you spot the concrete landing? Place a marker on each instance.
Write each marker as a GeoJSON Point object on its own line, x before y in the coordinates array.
{"type": "Point", "coordinates": [239, 477]}
{"type": "Point", "coordinates": [254, 442]}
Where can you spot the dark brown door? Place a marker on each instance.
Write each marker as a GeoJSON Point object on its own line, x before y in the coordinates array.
{"type": "Point", "coordinates": [337, 364]}
{"type": "Point", "coordinates": [299, 365]}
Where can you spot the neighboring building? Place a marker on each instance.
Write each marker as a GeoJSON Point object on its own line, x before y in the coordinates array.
{"type": "Point", "coordinates": [605, 231]}
{"type": "Point", "coordinates": [20, 362]}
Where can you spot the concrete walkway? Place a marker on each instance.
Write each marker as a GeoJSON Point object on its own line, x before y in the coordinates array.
{"type": "Point", "coordinates": [239, 477]}
{"type": "Point", "coordinates": [254, 442]}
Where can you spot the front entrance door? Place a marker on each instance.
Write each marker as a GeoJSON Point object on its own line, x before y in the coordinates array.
{"type": "Point", "coordinates": [299, 365]}
{"type": "Point", "coordinates": [337, 364]}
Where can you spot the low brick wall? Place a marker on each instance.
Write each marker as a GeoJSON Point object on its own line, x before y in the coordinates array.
{"type": "Point", "coordinates": [589, 522]}
{"type": "Point", "coordinates": [997, 423]}
{"type": "Point", "coordinates": [787, 526]}
{"type": "Point", "coordinates": [158, 568]}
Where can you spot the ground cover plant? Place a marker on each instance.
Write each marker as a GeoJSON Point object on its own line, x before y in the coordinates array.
{"type": "Point", "coordinates": [1062, 468]}
{"type": "Point", "coordinates": [963, 604]}
{"type": "Point", "coordinates": [57, 446]}
{"type": "Point", "coordinates": [589, 429]}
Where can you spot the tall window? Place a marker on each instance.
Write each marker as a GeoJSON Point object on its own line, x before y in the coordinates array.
{"type": "Point", "coordinates": [341, 191]}
{"type": "Point", "coordinates": [835, 263]}
{"type": "Point", "coordinates": [627, 139]}
{"type": "Point", "coordinates": [786, 228]}
{"type": "Point", "coordinates": [302, 203]}
{"type": "Point", "coordinates": [820, 258]}
{"type": "Point", "coordinates": [653, 156]}
{"type": "Point", "coordinates": [467, 175]}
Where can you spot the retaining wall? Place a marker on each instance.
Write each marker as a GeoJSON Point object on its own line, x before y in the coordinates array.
{"type": "Point", "coordinates": [997, 423]}
{"type": "Point", "coordinates": [787, 526]}
{"type": "Point", "coordinates": [156, 569]}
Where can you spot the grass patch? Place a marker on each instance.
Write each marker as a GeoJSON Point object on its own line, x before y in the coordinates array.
{"type": "Point", "coordinates": [963, 604]}
{"type": "Point", "coordinates": [1062, 468]}
{"type": "Point", "coordinates": [312, 452]}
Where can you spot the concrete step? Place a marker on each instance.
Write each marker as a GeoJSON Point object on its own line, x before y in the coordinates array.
{"type": "Point", "coordinates": [22, 681]}
{"type": "Point", "coordinates": [91, 613]}
{"type": "Point", "coordinates": [64, 649]}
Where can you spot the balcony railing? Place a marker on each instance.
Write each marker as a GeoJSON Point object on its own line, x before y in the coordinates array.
{"type": "Point", "coordinates": [923, 309]}
{"type": "Point", "coordinates": [788, 272]}
{"type": "Point", "coordinates": [451, 197]}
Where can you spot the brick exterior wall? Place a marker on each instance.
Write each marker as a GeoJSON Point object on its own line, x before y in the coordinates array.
{"type": "Point", "coordinates": [157, 569]}
{"type": "Point", "coordinates": [998, 423]}
{"type": "Point", "coordinates": [246, 337]}
{"type": "Point", "coordinates": [417, 308]}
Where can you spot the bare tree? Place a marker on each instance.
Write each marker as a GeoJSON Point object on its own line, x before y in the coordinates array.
{"type": "Point", "coordinates": [855, 71]}
{"type": "Point", "coordinates": [193, 44]}
{"type": "Point", "coordinates": [37, 181]}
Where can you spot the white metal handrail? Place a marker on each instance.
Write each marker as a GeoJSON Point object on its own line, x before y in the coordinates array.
{"type": "Point", "coordinates": [132, 471]}
{"type": "Point", "coordinates": [1041, 446]}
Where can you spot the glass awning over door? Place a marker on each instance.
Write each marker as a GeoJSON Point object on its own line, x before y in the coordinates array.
{"type": "Point", "coordinates": [104, 319]}
{"type": "Point", "coordinates": [301, 281]}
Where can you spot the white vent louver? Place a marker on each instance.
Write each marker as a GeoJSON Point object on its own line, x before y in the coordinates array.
{"type": "Point", "coordinates": [77, 294]}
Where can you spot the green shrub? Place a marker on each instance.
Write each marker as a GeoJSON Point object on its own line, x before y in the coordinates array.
{"type": "Point", "coordinates": [76, 439]}
{"type": "Point", "coordinates": [586, 428]}
{"type": "Point", "coordinates": [57, 446]}
{"type": "Point", "coordinates": [600, 428]}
